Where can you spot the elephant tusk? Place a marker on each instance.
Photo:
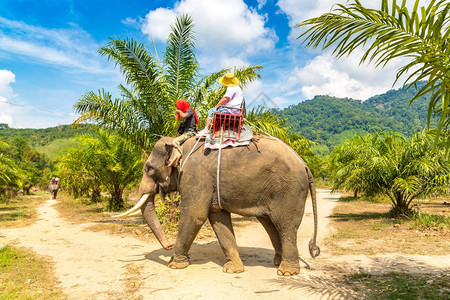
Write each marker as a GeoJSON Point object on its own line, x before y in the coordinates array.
{"type": "Point", "coordinates": [137, 212]}
{"type": "Point", "coordinates": [135, 208]}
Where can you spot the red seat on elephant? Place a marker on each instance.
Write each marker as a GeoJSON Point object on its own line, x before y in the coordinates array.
{"type": "Point", "coordinates": [229, 124]}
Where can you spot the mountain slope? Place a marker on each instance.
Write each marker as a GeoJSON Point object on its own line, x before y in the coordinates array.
{"type": "Point", "coordinates": [329, 120]}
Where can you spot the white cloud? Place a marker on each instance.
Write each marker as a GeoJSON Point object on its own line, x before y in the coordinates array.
{"type": "Point", "coordinates": [68, 48]}
{"type": "Point", "coordinates": [6, 92]}
{"type": "Point", "coordinates": [261, 3]}
{"type": "Point", "coordinates": [324, 75]}
{"type": "Point", "coordinates": [157, 24]}
{"type": "Point", "coordinates": [327, 75]}
{"type": "Point", "coordinates": [225, 31]}
{"type": "Point", "coordinates": [6, 78]}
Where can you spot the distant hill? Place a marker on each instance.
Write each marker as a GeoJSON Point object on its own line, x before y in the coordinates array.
{"type": "Point", "coordinates": [42, 137]}
{"type": "Point", "coordinates": [330, 120]}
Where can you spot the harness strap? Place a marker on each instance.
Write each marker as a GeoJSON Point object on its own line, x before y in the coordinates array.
{"type": "Point", "coordinates": [192, 150]}
{"type": "Point", "coordinates": [218, 167]}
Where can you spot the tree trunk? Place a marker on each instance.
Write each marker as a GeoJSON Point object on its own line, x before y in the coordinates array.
{"type": "Point", "coordinates": [116, 202]}
{"type": "Point", "coordinates": [401, 206]}
{"type": "Point", "coordinates": [96, 195]}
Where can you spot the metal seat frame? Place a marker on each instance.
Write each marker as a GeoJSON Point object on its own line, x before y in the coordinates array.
{"type": "Point", "coordinates": [228, 125]}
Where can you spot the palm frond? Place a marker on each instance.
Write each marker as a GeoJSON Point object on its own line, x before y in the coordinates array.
{"type": "Point", "coordinates": [179, 57]}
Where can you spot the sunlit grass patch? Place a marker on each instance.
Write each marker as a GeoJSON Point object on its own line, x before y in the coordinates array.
{"type": "Point", "coordinates": [24, 275]}
{"type": "Point", "coordinates": [20, 211]}
{"type": "Point", "coordinates": [372, 199]}
{"type": "Point", "coordinates": [424, 221]}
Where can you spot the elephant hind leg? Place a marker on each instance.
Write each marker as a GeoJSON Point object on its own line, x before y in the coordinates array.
{"type": "Point", "coordinates": [223, 228]}
{"type": "Point", "coordinates": [290, 259]}
{"type": "Point", "coordinates": [274, 238]}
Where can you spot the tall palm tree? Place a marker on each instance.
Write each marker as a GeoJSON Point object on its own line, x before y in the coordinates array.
{"type": "Point", "coordinates": [422, 35]}
{"type": "Point", "coordinates": [146, 107]}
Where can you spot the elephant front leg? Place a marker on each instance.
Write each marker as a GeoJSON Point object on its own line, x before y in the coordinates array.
{"type": "Point", "coordinates": [221, 224]}
{"type": "Point", "coordinates": [191, 220]}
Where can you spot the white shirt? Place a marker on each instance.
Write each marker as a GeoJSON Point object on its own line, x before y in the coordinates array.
{"type": "Point", "coordinates": [236, 96]}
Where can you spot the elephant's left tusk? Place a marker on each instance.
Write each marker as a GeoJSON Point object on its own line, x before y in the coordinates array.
{"type": "Point", "coordinates": [135, 208]}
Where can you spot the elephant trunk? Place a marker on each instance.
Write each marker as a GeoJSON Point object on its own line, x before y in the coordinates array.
{"type": "Point", "coordinates": [149, 213]}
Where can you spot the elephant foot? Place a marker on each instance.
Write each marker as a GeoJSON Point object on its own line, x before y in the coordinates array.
{"type": "Point", "coordinates": [287, 269]}
{"type": "Point", "coordinates": [277, 259]}
{"type": "Point", "coordinates": [179, 262]}
{"type": "Point", "coordinates": [232, 267]}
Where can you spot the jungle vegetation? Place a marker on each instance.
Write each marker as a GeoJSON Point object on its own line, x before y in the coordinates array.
{"type": "Point", "coordinates": [421, 36]}
{"type": "Point", "coordinates": [105, 162]}
{"type": "Point", "coordinates": [130, 124]}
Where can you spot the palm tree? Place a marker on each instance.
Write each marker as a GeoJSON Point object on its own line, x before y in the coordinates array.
{"type": "Point", "coordinates": [422, 35]}
{"type": "Point", "coordinates": [146, 107]}
{"type": "Point", "coordinates": [104, 161]}
{"type": "Point", "coordinates": [10, 172]}
{"type": "Point", "coordinates": [391, 165]}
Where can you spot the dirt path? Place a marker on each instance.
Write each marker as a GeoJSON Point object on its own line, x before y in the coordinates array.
{"type": "Point", "coordinates": [93, 265]}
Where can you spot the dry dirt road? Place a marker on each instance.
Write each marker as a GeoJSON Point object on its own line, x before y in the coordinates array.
{"type": "Point", "coordinates": [95, 265]}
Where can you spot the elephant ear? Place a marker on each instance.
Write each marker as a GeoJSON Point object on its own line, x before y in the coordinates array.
{"type": "Point", "coordinates": [169, 151]}
{"type": "Point", "coordinates": [172, 157]}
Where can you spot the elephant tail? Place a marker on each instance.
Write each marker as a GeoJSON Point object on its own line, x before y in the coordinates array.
{"type": "Point", "coordinates": [314, 250]}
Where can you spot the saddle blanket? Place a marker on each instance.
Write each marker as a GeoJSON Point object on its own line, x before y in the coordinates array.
{"type": "Point", "coordinates": [244, 139]}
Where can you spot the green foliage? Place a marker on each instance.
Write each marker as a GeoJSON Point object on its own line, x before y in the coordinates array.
{"type": "Point", "coordinates": [146, 109]}
{"type": "Point", "coordinates": [7, 256]}
{"type": "Point", "coordinates": [420, 34]}
{"type": "Point", "coordinates": [329, 120]}
{"type": "Point", "coordinates": [41, 137]}
{"type": "Point", "coordinates": [56, 148]}
{"type": "Point", "coordinates": [26, 276]}
{"type": "Point", "coordinates": [104, 162]}
{"type": "Point", "coordinates": [391, 165]}
{"type": "Point", "coordinates": [168, 212]}
{"type": "Point", "coordinates": [424, 221]}
{"type": "Point", "coordinates": [21, 166]}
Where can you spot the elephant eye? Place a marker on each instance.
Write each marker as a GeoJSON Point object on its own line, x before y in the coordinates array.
{"type": "Point", "coordinates": [149, 170]}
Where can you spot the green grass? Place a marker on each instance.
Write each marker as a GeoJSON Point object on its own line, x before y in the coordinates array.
{"type": "Point", "coordinates": [24, 275]}
{"type": "Point", "coordinates": [401, 286]}
{"type": "Point", "coordinates": [372, 199]}
{"type": "Point", "coordinates": [20, 211]}
{"type": "Point", "coordinates": [425, 221]}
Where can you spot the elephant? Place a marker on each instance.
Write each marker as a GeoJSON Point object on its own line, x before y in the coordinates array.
{"type": "Point", "coordinates": [53, 188]}
{"type": "Point", "coordinates": [265, 179]}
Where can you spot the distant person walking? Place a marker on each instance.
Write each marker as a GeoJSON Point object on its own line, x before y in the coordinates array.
{"type": "Point", "coordinates": [54, 187]}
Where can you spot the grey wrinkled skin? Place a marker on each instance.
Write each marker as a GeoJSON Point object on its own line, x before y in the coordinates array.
{"type": "Point", "coordinates": [267, 182]}
{"type": "Point", "coordinates": [53, 188]}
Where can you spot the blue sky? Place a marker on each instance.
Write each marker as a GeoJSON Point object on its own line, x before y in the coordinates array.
{"type": "Point", "coordinates": [49, 59]}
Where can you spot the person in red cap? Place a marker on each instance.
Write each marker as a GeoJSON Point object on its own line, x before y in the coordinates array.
{"type": "Point", "coordinates": [188, 128]}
